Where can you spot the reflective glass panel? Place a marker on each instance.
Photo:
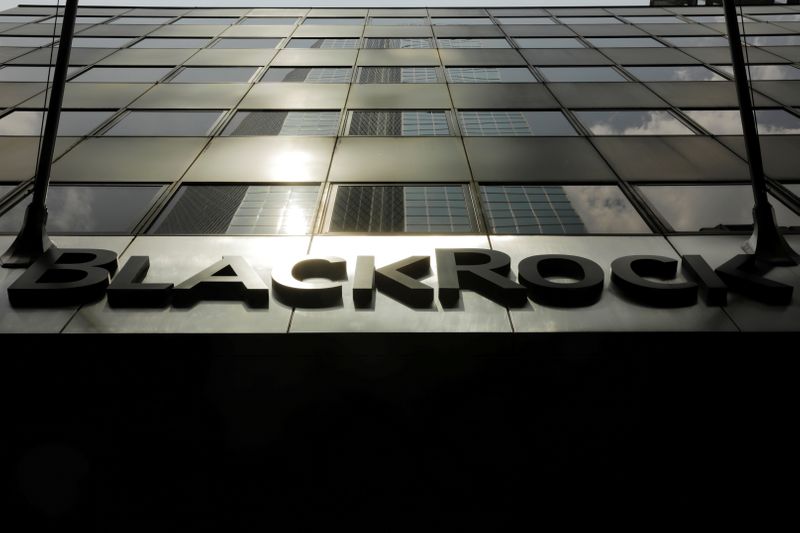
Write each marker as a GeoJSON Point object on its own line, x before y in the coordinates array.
{"type": "Point", "coordinates": [398, 123]}
{"type": "Point", "coordinates": [411, 42]}
{"type": "Point", "coordinates": [269, 21]}
{"type": "Point", "coordinates": [100, 42]}
{"type": "Point", "coordinates": [581, 74]}
{"type": "Point", "coordinates": [78, 209]}
{"type": "Point", "coordinates": [773, 40]}
{"type": "Point", "coordinates": [329, 42]}
{"type": "Point", "coordinates": [525, 20]}
{"type": "Point", "coordinates": [655, 20]}
{"type": "Point", "coordinates": [141, 20]}
{"type": "Point", "coordinates": [780, 17]}
{"type": "Point", "coordinates": [71, 123]}
{"type": "Point", "coordinates": [551, 209]}
{"type": "Point", "coordinates": [548, 42]}
{"type": "Point", "coordinates": [728, 121]}
{"type": "Point", "coordinates": [460, 21]}
{"type": "Point", "coordinates": [677, 73]}
{"type": "Point", "coordinates": [397, 75]}
{"type": "Point", "coordinates": [624, 42]}
{"type": "Point", "coordinates": [78, 20]}
{"type": "Point", "coordinates": [335, 21]}
{"type": "Point", "coordinates": [15, 73]}
{"type": "Point", "coordinates": [758, 72]}
{"type": "Point", "coordinates": [239, 210]}
{"type": "Point", "coordinates": [19, 18]}
{"type": "Point", "coordinates": [489, 75]}
{"type": "Point", "coordinates": [32, 42]}
{"type": "Point", "coordinates": [308, 74]}
{"type": "Point", "coordinates": [473, 42]}
{"type": "Point", "coordinates": [246, 43]}
{"type": "Point", "coordinates": [122, 74]}
{"type": "Point", "coordinates": [165, 123]}
{"type": "Point", "coordinates": [283, 123]}
{"type": "Point", "coordinates": [710, 207]}
{"type": "Point", "coordinates": [398, 21]}
{"type": "Point", "coordinates": [694, 42]}
{"type": "Point", "coordinates": [632, 123]}
{"type": "Point", "coordinates": [589, 20]}
{"type": "Point", "coordinates": [214, 74]}
{"type": "Point", "coordinates": [514, 123]}
{"type": "Point", "coordinates": [206, 20]}
{"type": "Point", "coordinates": [154, 42]}
{"type": "Point", "coordinates": [714, 18]}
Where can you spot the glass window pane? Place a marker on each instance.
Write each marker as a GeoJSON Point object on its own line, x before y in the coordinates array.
{"type": "Point", "coordinates": [779, 17]}
{"type": "Point", "coordinates": [714, 18]}
{"type": "Point", "coordinates": [581, 74]}
{"type": "Point", "coordinates": [141, 20]}
{"type": "Point", "coordinates": [71, 123]}
{"type": "Point", "coordinates": [397, 75]}
{"type": "Point", "coordinates": [548, 42]}
{"type": "Point", "coordinates": [589, 20]}
{"type": "Point", "coordinates": [78, 20]}
{"type": "Point", "coordinates": [489, 75]}
{"type": "Point", "coordinates": [514, 123]}
{"type": "Point", "coordinates": [100, 42]}
{"type": "Point", "coordinates": [632, 123]}
{"type": "Point", "coordinates": [27, 42]}
{"type": "Point", "coordinates": [655, 20]}
{"type": "Point", "coordinates": [442, 21]}
{"type": "Point", "coordinates": [398, 21]}
{"type": "Point", "coordinates": [689, 42]}
{"type": "Point", "coordinates": [246, 43]}
{"type": "Point", "coordinates": [323, 43]}
{"type": "Point", "coordinates": [528, 209]}
{"type": "Point", "coordinates": [19, 18]}
{"type": "Point", "coordinates": [154, 42]}
{"type": "Point", "coordinates": [206, 20]}
{"type": "Point", "coordinates": [308, 74]}
{"type": "Point", "coordinates": [214, 74]}
{"type": "Point", "coordinates": [678, 73]}
{"type": "Point", "coordinates": [15, 73]}
{"type": "Point", "coordinates": [239, 210]}
{"type": "Point", "coordinates": [773, 40]}
{"type": "Point", "coordinates": [624, 42]}
{"type": "Point", "coordinates": [166, 123]}
{"type": "Point", "coordinates": [269, 21]}
{"type": "Point", "coordinates": [334, 21]}
{"type": "Point", "coordinates": [398, 123]}
{"type": "Point", "coordinates": [283, 123]}
{"type": "Point", "coordinates": [412, 42]}
{"type": "Point", "coordinates": [122, 74]}
{"type": "Point", "coordinates": [709, 207]}
{"type": "Point", "coordinates": [395, 209]}
{"type": "Point", "coordinates": [525, 20]}
{"type": "Point", "coordinates": [755, 72]}
{"type": "Point", "coordinates": [470, 42]}
{"type": "Point", "coordinates": [728, 121]}
{"type": "Point", "coordinates": [88, 209]}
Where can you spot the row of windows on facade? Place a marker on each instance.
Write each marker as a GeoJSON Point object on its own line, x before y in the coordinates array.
{"type": "Point", "coordinates": [292, 209]}
{"type": "Point", "coordinates": [406, 123]}
{"type": "Point", "coordinates": [404, 21]}
{"type": "Point", "coordinates": [396, 74]}
{"type": "Point", "coordinates": [414, 43]}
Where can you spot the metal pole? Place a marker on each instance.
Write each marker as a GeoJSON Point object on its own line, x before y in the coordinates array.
{"type": "Point", "coordinates": [766, 243]}
{"type": "Point", "coordinates": [33, 241]}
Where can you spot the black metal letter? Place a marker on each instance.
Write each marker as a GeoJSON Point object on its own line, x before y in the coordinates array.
{"type": "Point", "coordinates": [364, 282]}
{"type": "Point", "coordinates": [628, 273]}
{"type": "Point", "coordinates": [399, 280]}
{"type": "Point", "coordinates": [712, 288]}
{"type": "Point", "coordinates": [64, 277]}
{"type": "Point", "coordinates": [127, 289]}
{"type": "Point", "coordinates": [483, 271]}
{"type": "Point", "coordinates": [230, 279]}
{"type": "Point", "coordinates": [534, 271]}
{"type": "Point", "coordinates": [743, 275]}
{"type": "Point", "coordinates": [292, 289]}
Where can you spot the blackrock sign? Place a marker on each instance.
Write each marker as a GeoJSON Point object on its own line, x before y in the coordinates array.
{"type": "Point", "coordinates": [64, 277]}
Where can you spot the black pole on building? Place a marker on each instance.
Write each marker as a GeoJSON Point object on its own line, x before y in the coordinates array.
{"type": "Point", "coordinates": [766, 244]}
{"type": "Point", "coordinates": [33, 241]}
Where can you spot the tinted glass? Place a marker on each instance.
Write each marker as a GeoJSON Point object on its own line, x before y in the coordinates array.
{"type": "Point", "coordinates": [239, 210]}
{"type": "Point", "coordinates": [514, 123]}
{"type": "Point", "coordinates": [336, 21]}
{"type": "Point", "coordinates": [421, 42]}
{"type": "Point", "coordinates": [308, 74]}
{"type": "Point", "coordinates": [214, 74]}
{"type": "Point", "coordinates": [283, 123]}
{"type": "Point", "coordinates": [26, 41]}
{"type": "Point", "coordinates": [473, 43]}
{"type": "Point", "coordinates": [166, 123]}
{"type": "Point", "coordinates": [681, 73]}
{"type": "Point", "coordinates": [152, 42]}
{"type": "Point", "coordinates": [442, 21]}
{"type": "Point", "coordinates": [19, 18]}
{"type": "Point", "coordinates": [728, 121]}
{"type": "Point", "coordinates": [548, 42]}
{"type": "Point", "coordinates": [632, 123]}
{"type": "Point", "coordinates": [88, 209]}
{"type": "Point", "coordinates": [397, 75]}
{"type": "Point", "coordinates": [624, 42]}
{"type": "Point", "coordinates": [398, 21]}
{"type": "Point", "coordinates": [14, 73]}
{"type": "Point", "coordinates": [100, 42]}
{"type": "Point", "coordinates": [78, 20]}
{"type": "Point", "coordinates": [708, 207]}
{"type": "Point", "coordinates": [525, 20]}
{"type": "Point", "coordinates": [206, 20]}
{"type": "Point", "coordinates": [589, 20]}
{"type": "Point", "coordinates": [122, 75]}
{"type": "Point", "coordinates": [489, 75]}
{"type": "Point", "coordinates": [323, 43]}
{"type": "Point", "coordinates": [71, 123]}
{"type": "Point", "coordinates": [398, 123]}
{"type": "Point", "coordinates": [141, 20]}
{"type": "Point", "coordinates": [655, 20]}
{"type": "Point", "coordinates": [785, 17]}
{"type": "Point", "coordinates": [576, 209]}
{"type": "Point", "coordinates": [581, 74]}
{"type": "Point", "coordinates": [755, 72]}
{"type": "Point", "coordinates": [773, 40]}
{"type": "Point", "coordinates": [269, 21]}
{"type": "Point", "coordinates": [714, 18]}
{"type": "Point", "coordinates": [689, 42]}
{"type": "Point", "coordinates": [246, 43]}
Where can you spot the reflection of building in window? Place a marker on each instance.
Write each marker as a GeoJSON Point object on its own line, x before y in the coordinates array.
{"type": "Point", "coordinates": [398, 123]}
